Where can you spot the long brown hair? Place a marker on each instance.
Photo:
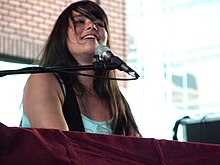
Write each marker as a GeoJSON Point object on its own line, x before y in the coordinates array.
{"type": "Point", "coordinates": [56, 53]}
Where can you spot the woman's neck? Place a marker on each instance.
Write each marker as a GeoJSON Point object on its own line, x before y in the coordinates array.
{"type": "Point", "coordinates": [87, 81]}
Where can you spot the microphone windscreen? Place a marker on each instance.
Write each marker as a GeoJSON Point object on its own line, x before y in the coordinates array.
{"type": "Point", "coordinates": [101, 49]}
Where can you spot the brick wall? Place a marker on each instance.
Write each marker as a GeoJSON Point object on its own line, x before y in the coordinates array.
{"type": "Point", "coordinates": [116, 13]}
{"type": "Point", "coordinates": [26, 24]}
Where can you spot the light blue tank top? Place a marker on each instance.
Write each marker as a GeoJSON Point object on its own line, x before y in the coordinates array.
{"type": "Point", "coordinates": [102, 127]}
{"type": "Point", "coordinates": [25, 122]}
{"type": "Point", "coordinates": [92, 126]}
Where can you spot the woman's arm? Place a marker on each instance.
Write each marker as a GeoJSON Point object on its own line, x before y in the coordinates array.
{"type": "Point", "coordinates": [42, 101]}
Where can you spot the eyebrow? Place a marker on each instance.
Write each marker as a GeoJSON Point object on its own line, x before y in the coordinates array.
{"type": "Point", "coordinates": [78, 15]}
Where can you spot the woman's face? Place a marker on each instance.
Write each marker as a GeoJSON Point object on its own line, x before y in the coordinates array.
{"type": "Point", "coordinates": [84, 35]}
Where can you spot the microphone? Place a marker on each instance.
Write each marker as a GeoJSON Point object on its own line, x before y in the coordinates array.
{"type": "Point", "coordinates": [105, 53]}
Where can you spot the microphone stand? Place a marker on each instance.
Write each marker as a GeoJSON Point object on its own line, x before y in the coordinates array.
{"type": "Point", "coordinates": [28, 70]}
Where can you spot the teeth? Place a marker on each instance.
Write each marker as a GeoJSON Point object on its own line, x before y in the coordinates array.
{"type": "Point", "coordinates": [89, 36]}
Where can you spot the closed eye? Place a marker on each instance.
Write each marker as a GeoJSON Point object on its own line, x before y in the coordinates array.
{"type": "Point", "coordinates": [79, 21]}
{"type": "Point", "coordinates": [99, 23]}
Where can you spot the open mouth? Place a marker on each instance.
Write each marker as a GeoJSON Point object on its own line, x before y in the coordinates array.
{"type": "Point", "coordinates": [90, 36]}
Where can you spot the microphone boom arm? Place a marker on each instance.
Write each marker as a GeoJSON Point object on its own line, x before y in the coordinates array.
{"type": "Point", "coordinates": [28, 70]}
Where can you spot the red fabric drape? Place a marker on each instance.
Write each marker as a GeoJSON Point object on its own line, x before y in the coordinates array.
{"type": "Point", "coordinates": [21, 146]}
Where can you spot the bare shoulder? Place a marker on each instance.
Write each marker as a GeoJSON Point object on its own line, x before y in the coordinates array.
{"type": "Point", "coordinates": [43, 85]}
{"type": "Point", "coordinates": [41, 78]}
